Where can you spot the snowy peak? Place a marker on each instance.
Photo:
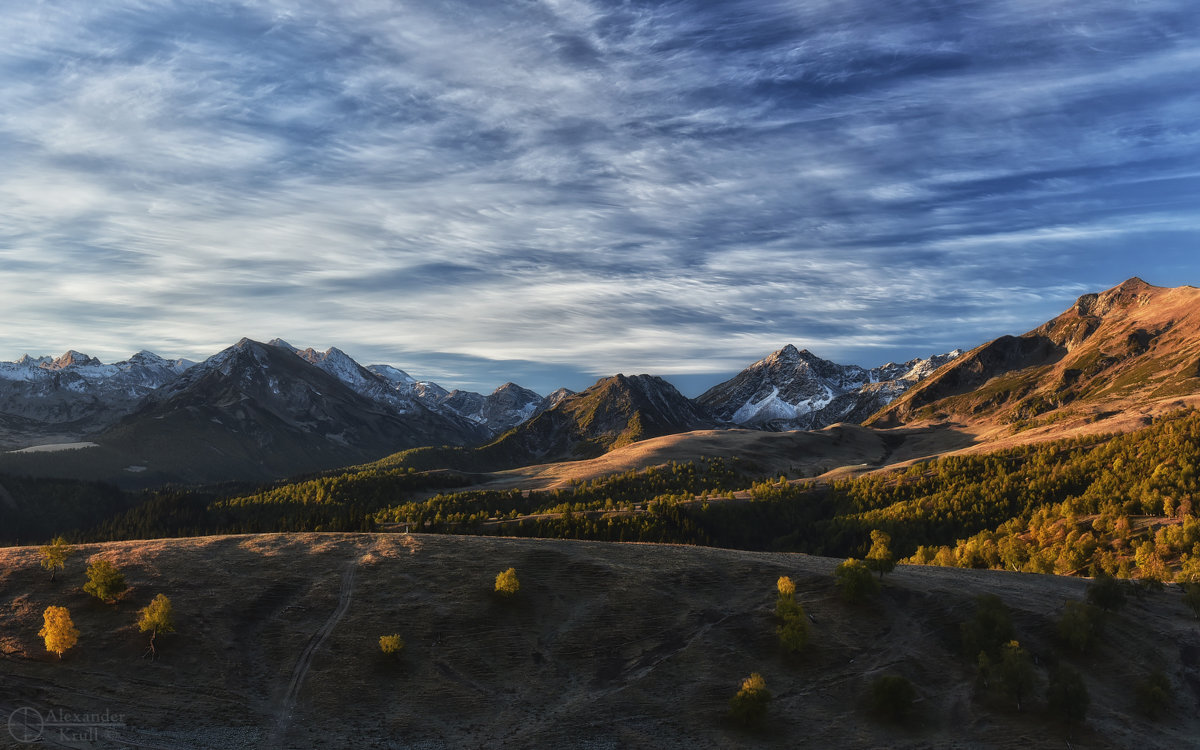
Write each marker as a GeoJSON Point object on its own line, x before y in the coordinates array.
{"type": "Point", "coordinates": [71, 359]}
{"type": "Point", "coordinates": [392, 375]}
{"type": "Point", "coordinates": [794, 389]}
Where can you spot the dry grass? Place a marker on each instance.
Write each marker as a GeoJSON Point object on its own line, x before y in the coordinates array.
{"type": "Point", "coordinates": [605, 646]}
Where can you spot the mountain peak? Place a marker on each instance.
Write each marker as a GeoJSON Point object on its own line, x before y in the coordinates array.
{"type": "Point", "coordinates": [282, 344]}
{"type": "Point", "coordinates": [73, 358]}
{"type": "Point", "coordinates": [1130, 293]}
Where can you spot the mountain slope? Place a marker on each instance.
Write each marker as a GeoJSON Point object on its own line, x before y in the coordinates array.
{"type": "Point", "coordinates": [1126, 348]}
{"type": "Point", "coordinates": [45, 399]}
{"type": "Point", "coordinates": [616, 411]}
{"type": "Point", "coordinates": [796, 390]}
{"type": "Point", "coordinates": [256, 411]}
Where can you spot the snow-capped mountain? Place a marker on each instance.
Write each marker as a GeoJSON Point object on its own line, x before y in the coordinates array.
{"type": "Point", "coordinates": [794, 389]}
{"type": "Point", "coordinates": [258, 411]}
{"type": "Point", "coordinates": [76, 394]}
{"type": "Point", "coordinates": [506, 407]}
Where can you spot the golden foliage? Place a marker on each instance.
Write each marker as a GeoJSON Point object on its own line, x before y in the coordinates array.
{"type": "Point", "coordinates": [58, 630]}
{"type": "Point", "coordinates": [507, 583]}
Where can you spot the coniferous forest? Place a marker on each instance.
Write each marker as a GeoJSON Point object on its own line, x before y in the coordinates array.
{"type": "Point", "coordinates": [1125, 505]}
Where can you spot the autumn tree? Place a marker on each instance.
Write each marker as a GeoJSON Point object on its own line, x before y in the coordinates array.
{"type": "Point", "coordinates": [105, 582]}
{"type": "Point", "coordinates": [749, 705]}
{"type": "Point", "coordinates": [793, 627]}
{"type": "Point", "coordinates": [507, 583]}
{"type": "Point", "coordinates": [855, 580]}
{"type": "Point", "coordinates": [54, 555]}
{"type": "Point", "coordinates": [156, 617]}
{"type": "Point", "coordinates": [58, 630]}
{"type": "Point", "coordinates": [1015, 672]}
{"type": "Point", "coordinates": [880, 558]}
{"type": "Point", "coordinates": [785, 586]}
{"type": "Point", "coordinates": [391, 644]}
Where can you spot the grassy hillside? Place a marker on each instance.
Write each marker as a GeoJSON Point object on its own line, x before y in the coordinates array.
{"type": "Point", "coordinates": [605, 646]}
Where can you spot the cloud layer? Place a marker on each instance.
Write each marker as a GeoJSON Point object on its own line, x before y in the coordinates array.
{"type": "Point", "coordinates": [551, 191]}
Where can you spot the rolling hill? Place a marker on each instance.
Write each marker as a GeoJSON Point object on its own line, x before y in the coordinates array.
{"type": "Point", "coordinates": [606, 645]}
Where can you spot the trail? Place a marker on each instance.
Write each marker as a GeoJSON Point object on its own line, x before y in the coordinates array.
{"type": "Point", "coordinates": [283, 716]}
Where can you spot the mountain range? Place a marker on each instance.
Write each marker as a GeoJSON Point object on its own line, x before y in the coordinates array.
{"type": "Point", "coordinates": [268, 410]}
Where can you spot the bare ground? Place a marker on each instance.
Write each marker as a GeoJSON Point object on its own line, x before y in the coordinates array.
{"type": "Point", "coordinates": [605, 646]}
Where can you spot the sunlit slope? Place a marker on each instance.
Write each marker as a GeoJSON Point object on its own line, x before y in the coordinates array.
{"type": "Point", "coordinates": [1132, 349]}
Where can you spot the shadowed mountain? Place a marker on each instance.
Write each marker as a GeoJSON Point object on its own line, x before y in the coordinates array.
{"type": "Point", "coordinates": [1126, 348]}
{"type": "Point", "coordinates": [45, 400]}
{"type": "Point", "coordinates": [616, 411]}
{"type": "Point", "coordinates": [252, 412]}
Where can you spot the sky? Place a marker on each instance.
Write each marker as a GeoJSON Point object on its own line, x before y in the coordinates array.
{"type": "Point", "coordinates": [553, 191]}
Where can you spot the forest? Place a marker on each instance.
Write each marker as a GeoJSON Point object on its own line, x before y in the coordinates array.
{"type": "Point", "coordinates": [1123, 505]}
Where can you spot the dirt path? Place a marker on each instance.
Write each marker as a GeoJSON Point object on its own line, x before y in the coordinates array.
{"type": "Point", "coordinates": [283, 716]}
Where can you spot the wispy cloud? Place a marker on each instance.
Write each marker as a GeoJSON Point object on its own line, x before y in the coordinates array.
{"type": "Point", "coordinates": [562, 189]}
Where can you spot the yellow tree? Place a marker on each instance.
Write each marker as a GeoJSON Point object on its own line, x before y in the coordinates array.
{"type": "Point", "coordinates": [507, 583]}
{"type": "Point", "coordinates": [58, 630]}
{"type": "Point", "coordinates": [749, 705]}
{"type": "Point", "coordinates": [391, 644]}
{"type": "Point", "coordinates": [880, 557]}
{"type": "Point", "coordinates": [156, 617]}
{"type": "Point", "coordinates": [54, 555]}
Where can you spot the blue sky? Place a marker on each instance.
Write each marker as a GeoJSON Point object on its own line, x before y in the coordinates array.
{"type": "Point", "coordinates": [553, 191]}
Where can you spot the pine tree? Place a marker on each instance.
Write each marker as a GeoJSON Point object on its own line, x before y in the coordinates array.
{"type": "Point", "coordinates": [105, 582]}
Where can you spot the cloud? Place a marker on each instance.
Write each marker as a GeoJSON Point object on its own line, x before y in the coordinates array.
{"type": "Point", "coordinates": [569, 189]}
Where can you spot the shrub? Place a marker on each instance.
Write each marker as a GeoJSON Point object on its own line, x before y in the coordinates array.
{"type": "Point", "coordinates": [1066, 695]}
{"type": "Point", "coordinates": [749, 705]}
{"type": "Point", "coordinates": [1191, 597]}
{"type": "Point", "coordinates": [1152, 695]}
{"type": "Point", "coordinates": [1107, 593]}
{"type": "Point", "coordinates": [989, 629]}
{"type": "Point", "coordinates": [105, 582]}
{"type": "Point", "coordinates": [507, 583]}
{"type": "Point", "coordinates": [793, 632]}
{"type": "Point", "coordinates": [855, 580]}
{"type": "Point", "coordinates": [391, 644]}
{"type": "Point", "coordinates": [892, 697]}
{"type": "Point", "coordinates": [1080, 625]}
{"type": "Point", "coordinates": [58, 630]}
